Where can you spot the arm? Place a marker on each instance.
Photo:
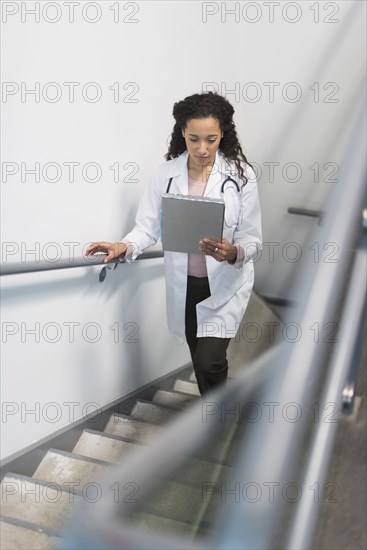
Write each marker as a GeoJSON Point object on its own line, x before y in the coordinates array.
{"type": "Point", "coordinates": [144, 233]}
{"type": "Point", "coordinates": [147, 222]}
{"type": "Point", "coordinates": [247, 236]}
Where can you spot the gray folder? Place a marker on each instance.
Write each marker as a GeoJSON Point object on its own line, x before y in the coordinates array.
{"type": "Point", "coordinates": [187, 219]}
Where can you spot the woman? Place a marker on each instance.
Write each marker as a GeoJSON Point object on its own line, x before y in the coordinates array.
{"type": "Point", "coordinates": [207, 293]}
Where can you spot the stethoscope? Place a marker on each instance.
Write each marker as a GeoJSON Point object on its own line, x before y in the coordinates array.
{"type": "Point", "coordinates": [228, 179]}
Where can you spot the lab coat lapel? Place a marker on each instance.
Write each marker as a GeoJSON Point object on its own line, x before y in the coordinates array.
{"type": "Point", "coordinates": [179, 173]}
{"type": "Point", "coordinates": [216, 176]}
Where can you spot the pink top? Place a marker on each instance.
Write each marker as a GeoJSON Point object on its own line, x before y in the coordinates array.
{"type": "Point", "coordinates": [196, 263]}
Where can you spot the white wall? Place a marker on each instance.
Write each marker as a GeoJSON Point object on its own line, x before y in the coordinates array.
{"type": "Point", "coordinates": [157, 52]}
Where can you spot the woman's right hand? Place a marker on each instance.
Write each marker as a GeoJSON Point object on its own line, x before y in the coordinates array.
{"type": "Point", "coordinates": [113, 250]}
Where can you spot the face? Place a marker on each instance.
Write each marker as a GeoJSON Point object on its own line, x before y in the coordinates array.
{"type": "Point", "coordinates": [202, 137]}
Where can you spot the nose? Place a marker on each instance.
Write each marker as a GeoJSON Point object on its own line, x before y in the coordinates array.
{"type": "Point", "coordinates": [202, 148]}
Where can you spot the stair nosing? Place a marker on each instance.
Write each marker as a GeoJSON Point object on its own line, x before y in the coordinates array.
{"type": "Point", "coordinates": [186, 382]}
{"type": "Point", "coordinates": [148, 510]}
{"type": "Point", "coordinates": [167, 407]}
{"type": "Point", "coordinates": [116, 437]}
{"type": "Point", "coordinates": [77, 456]}
{"type": "Point", "coordinates": [202, 524]}
{"type": "Point", "coordinates": [179, 392]}
{"type": "Point", "coordinates": [130, 417]}
{"type": "Point", "coordinates": [34, 480]}
{"type": "Point", "coordinates": [30, 525]}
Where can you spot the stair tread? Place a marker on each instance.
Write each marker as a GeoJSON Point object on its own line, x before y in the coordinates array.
{"type": "Point", "coordinates": [171, 526]}
{"type": "Point", "coordinates": [146, 410]}
{"type": "Point", "coordinates": [124, 426]}
{"type": "Point", "coordinates": [191, 470]}
{"type": "Point", "coordinates": [181, 502]}
{"type": "Point", "coordinates": [103, 446]}
{"type": "Point", "coordinates": [194, 470]}
{"type": "Point", "coordinates": [19, 537]}
{"type": "Point", "coordinates": [186, 386]}
{"type": "Point", "coordinates": [172, 398]}
{"type": "Point", "coordinates": [42, 503]}
{"type": "Point", "coordinates": [131, 427]}
{"type": "Point", "coordinates": [63, 467]}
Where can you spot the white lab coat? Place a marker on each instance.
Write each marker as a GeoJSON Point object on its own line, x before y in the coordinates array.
{"type": "Point", "coordinates": [230, 285]}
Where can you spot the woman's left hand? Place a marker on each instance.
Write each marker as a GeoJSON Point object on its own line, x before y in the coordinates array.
{"type": "Point", "coordinates": [221, 251]}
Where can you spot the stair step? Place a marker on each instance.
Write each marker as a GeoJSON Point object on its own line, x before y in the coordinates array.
{"type": "Point", "coordinates": [196, 470]}
{"type": "Point", "coordinates": [126, 426]}
{"type": "Point", "coordinates": [46, 504]}
{"type": "Point", "coordinates": [63, 467]}
{"type": "Point", "coordinates": [19, 536]}
{"type": "Point", "coordinates": [219, 450]}
{"type": "Point", "coordinates": [181, 502]}
{"type": "Point", "coordinates": [169, 526]}
{"type": "Point", "coordinates": [103, 446]}
{"type": "Point", "coordinates": [172, 399]}
{"type": "Point", "coordinates": [151, 412]}
{"type": "Point", "coordinates": [192, 470]}
{"type": "Point", "coordinates": [186, 386]}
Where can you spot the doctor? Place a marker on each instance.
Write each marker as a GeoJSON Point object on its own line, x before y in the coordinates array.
{"type": "Point", "coordinates": [206, 293]}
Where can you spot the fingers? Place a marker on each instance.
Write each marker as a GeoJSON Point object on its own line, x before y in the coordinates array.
{"type": "Point", "coordinates": [211, 248]}
{"type": "Point", "coordinates": [209, 245]}
{"type": "Point", "coordinates": [220, 251]}
{"type": "Point", "coordinates": [112, 250]}
{"type": "Point", "coordinates": [92, 249]}
{"type": "Point", "coordinates": [111, 254]}
{"type": "Point", "coordinates": [101, 246]}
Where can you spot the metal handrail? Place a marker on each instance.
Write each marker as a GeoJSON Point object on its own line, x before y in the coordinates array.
{"type": "Point", "coordinates": [16, 268]}
{"type": "Point", "coordinates": [300, 536]}
{"type": "Point", "coordinates": [306, 212]}
{"type": "Point", "coordinates": [304, 365]}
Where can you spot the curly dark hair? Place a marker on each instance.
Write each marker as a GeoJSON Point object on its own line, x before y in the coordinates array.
{"type": "Point", "coordinates": [202, 106]}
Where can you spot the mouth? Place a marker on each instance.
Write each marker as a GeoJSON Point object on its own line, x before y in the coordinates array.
{"type": "Point", "coordinates": [202, 158]}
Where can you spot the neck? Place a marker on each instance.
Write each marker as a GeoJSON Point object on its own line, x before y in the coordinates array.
{"type": "Point", "coordinates": [203, 172]}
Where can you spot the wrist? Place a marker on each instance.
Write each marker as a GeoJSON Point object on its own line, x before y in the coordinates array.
{"type": "Point", "coordinates": [232, 255]}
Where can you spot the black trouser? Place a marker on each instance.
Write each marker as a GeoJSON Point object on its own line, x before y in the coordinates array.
{"type": "Point", "coordinates": [208, 354]}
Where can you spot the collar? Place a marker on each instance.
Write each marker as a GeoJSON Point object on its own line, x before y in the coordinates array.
{"type": "Point", "coordinates": [221, 165]}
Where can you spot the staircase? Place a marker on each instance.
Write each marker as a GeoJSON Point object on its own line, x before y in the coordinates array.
{"type": "Point", "coordinates": [36, 508]}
